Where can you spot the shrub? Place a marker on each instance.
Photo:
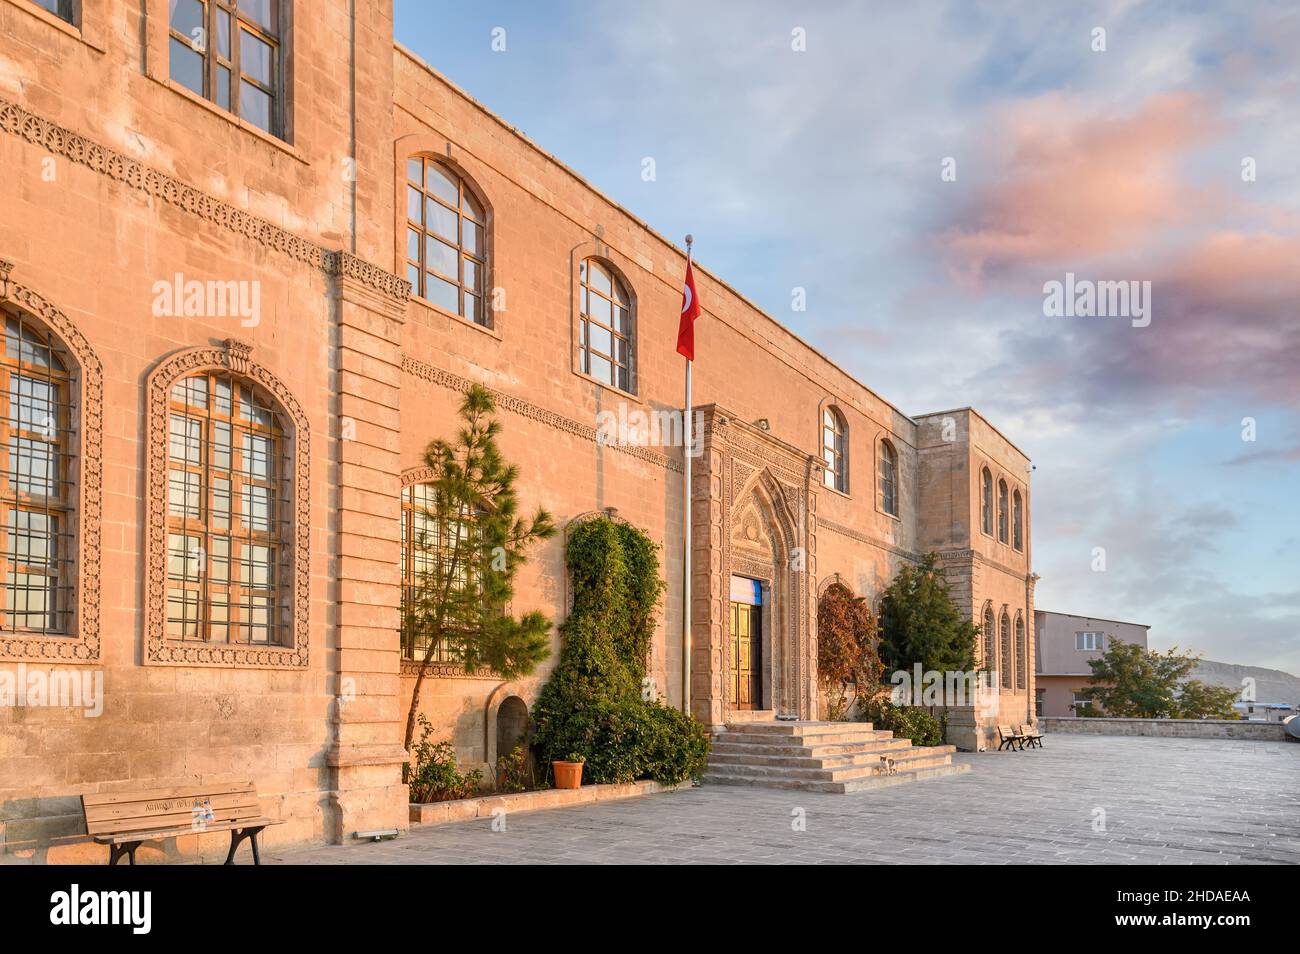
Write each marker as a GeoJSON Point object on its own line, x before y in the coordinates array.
{"type": "Point", "coordinates": [906, 722]}
{"type": "Point", "coordinates": [435, 776]}
{"type": "Point", "coordinates": [514, 774]}
{"type": "Point", "coordinates": [592, 706]}
{"type": "Point", "coordinates": [846, 648]}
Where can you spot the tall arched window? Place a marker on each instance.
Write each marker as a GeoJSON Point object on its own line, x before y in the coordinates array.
{"type": "Point", "coordinates": [446, 239]}
{"type": "Point", "coordinates": [606, 332]}
{"type": "Point", "coordinates": [1002, 511]}
{"type": "Point", "coordinates": [835, 450]}
{"type": "Point", "coordinates": [1017, 521]}
{"type": "Point", "coordinates": [986, 501]}
{"type": "Point", "coordinates": [990, 637]}
{"type": "Point", "coordinates": [228, 514]}
{"type": "Point", "coordinates": [1020, 651]}
{"type": "Point", "coordinates": [1006, 650]}
{"type": "Point", "coordinates": [37, 498]}
{"type": "Point", "coordinates": [888, 478]}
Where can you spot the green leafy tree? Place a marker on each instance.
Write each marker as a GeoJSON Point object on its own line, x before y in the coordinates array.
{"type": "Point", "coordinates": [846, 648]}
{"type": "Point", "coordinates": [1130, 681]}
{"type": "Point", "coordinates": [471, 544]}
{"type": "Point", "coordinates": [1198, 700]}
{"type": "Point", "coordinates": [920, 623]}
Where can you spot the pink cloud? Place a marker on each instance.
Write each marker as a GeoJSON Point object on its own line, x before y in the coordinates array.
{"type": "Point", "coordinates": [1074, 187]}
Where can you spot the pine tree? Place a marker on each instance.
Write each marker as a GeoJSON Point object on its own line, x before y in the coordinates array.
{"type": "Point", "coordinates": [919, 622]}
{"type": "Point", "coordinates": [470, 547]}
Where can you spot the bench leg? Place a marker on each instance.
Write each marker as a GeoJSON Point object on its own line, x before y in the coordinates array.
{"type": "Point", "coordinates": [115, 852]}
{"type": "Point", "coordinates": [239, 834]}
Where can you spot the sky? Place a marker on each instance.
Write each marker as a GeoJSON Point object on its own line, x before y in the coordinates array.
{"type": "Point", "coordinates": [923, 170]}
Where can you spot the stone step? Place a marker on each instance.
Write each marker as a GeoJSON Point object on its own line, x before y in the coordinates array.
{"type": "Point", "coordinates": [820, 742]}
{"type": "Point", "coordinates": [903, 759]}
{"type": "Point", "coordinates": [804, 729]}
{"type": "Point", "coordinates": [781, 746]}
{"type": "Point", "coordinates": [866, 783]}
{"type": "Point", "coordinates": [802, 758]}
{"type": "Point", "coordinates": [756, 715]}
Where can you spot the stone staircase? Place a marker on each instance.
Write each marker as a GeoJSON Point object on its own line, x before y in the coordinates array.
{"type": "Point", "coordinates": [835, 757]}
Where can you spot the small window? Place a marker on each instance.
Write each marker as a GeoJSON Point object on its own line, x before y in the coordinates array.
{"type": "Point", "coordinates": [1081, 702]}
{"type": "Point", "coordinates": [990, 639]}
{"type": "Point", "coordinates": [1006, 650]}
{"type": "Point", "coordinates": [1088, 642]}
{"type": "Point", "coordinates": [1017, 521]}
{"type": "Point", "coordinates": [986, 501]}
{"type": "Point", "coordinates": [1021, 648]}
{"type": "Point", "coordinates": [888, 478]}
{"type": "Point", "coordinates": [1002, 511]}
{"type": "Point", "coordinates": [230, 54]}
{"type": "Point", "coordinates": [446, 240]}
{"type": "Point", "coordinates": [60, 8]}
{"type": "Point", "coordinates": [606, 336]}
{"type": "Point", "coordinates": [835, 450]}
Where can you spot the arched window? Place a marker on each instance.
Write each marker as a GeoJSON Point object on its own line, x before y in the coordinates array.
{"type": "Point", "coordinates": [229, 523]}
{"type": "Point", "coordinates": [1006, 650]}
{"type": "Point", "coordinates": [1020, 651]}
{"type": "Point", "coordinates": [835, 450]}
{"type": "Point", "coordinates": [1002, 511]}
{"type": "Point", "coordinates": [990, 637]}
{"type": "Point", "coordinates": [606, 333]}
{"type": "Point", "coordinates": [37, 498]}
{"type": "Point", "coordinates": [986, 501]}
{"type": "Point", "coordinates": [1017, 521]}
{"type": "Point", "coordinates": [446, 239]}
{"type": "Point", "coordinates": [888, 478]}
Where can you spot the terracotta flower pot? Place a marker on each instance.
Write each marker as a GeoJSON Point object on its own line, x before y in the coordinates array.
{"type": "Point", "coordinates": [567, 774]}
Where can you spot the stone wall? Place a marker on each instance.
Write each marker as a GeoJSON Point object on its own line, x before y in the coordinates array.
{"type": "Point", "coordinates": [1167, 728]}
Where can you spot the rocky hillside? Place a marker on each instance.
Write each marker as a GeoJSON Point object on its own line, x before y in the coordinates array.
{"type": "Point", "coordinates": [1271, 685]}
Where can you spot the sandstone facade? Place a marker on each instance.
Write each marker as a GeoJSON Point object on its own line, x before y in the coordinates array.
{"type": "Point", "coordinates": [119, 180]}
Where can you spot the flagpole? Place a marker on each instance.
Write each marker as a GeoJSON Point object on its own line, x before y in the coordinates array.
{"type": "Point", "coordinates": [686, 526]}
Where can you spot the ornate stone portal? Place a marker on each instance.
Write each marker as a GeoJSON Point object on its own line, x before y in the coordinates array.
{"type": "Point", "coordinates": [753, 516]}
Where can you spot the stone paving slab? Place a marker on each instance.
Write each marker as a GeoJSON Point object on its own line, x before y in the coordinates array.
{"type": "Point", "coordinates": [1078, 800]}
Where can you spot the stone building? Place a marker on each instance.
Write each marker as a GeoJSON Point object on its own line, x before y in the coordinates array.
{"type": "Point", "coordinates": [245, 282]}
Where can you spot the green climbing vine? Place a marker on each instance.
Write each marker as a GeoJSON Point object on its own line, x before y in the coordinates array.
{"type": "Point", "coordinates": [595, 706]}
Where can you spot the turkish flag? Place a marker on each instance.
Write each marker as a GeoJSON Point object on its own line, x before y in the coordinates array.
{"type": "Point", "coordinates": [690, 311]}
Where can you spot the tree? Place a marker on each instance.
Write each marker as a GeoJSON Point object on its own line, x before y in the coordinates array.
{"type": "Point", "coordinates": [1130, 681]}
{"type": "Point", "coordinates": [846, 647]}
{"type": "Point", "coordinates": [1197, 700]}
{"type": "Point", "coordinates": [919, 622]}
{"type": "Point", "coordinates": [471, 545]}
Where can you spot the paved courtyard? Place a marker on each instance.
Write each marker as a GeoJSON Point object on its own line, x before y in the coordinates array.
{"type": "Point", "coordinates": [1080, 799]}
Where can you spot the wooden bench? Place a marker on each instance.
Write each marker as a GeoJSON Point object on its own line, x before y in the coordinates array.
{"type": "Point", "coordinates": [122, 820]}
{"type": "Point", "coordinates": [1032, 739]}
{"type": "Point", "coordinates": [1009, 739]}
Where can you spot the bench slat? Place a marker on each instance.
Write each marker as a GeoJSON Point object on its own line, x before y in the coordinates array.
{"type": "Point", "coordinates": [156, 834]}
{"type": "Point", "coordinates": [162, 794]}
{"type": "Point", "coordinates": [183, 819]}
{"type": "Point", "coordinates": [169, 806]}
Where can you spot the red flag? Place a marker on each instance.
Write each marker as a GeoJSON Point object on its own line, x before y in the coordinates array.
{"type": "Point", "coordinates": [690, 311]}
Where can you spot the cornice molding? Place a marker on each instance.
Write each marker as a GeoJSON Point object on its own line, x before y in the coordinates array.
{"type": "Point", "coordinates": [74, 147]}
{"type": "Point", "coordinates": [517, 405]}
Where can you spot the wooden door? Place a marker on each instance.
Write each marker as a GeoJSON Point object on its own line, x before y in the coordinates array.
{"type": "Point", "coordinates": [746, 656]}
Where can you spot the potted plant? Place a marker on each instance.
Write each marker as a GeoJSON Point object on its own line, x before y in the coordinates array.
{"type": "Point", "coordinates": [568, 774]}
